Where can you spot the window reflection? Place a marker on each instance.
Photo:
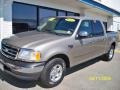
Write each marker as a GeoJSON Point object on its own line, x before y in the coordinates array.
{"type": "Point", "coordinates": [24, 17]}
{"type": "Point", "coordinates": [27, 17]}
{"type": "Point", "coordinates": [70, 14]}
{"type": "Point", "coordinates": [61, 13]}
{"type": "Point", "coordinates": [46, 12]}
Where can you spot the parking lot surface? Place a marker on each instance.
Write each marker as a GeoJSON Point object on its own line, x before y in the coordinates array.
{"type": "Point", "coordinates": [93, 75]}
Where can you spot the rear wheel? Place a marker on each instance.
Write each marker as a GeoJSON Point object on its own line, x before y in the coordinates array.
{"type": "Point", "coordinates": [110, 54]}
{"type": "Point", "coordinates": [53, 73]}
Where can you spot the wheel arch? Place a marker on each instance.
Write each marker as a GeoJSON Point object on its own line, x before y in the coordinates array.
{"type": "Point", "coordinates": [63, 56]}
{"type": "Point", "coordinates": [114, 44]}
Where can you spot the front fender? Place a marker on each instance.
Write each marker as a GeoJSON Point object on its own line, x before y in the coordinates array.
{"type": "Point", "coordinates": [52, 52]}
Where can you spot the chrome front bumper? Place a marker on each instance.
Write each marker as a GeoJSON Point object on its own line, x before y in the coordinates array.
{"type": "Point", "coordinates": [25, 71]}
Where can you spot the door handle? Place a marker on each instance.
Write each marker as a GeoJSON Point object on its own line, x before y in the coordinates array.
{"type": "Point", "coordinates": [70, 46]}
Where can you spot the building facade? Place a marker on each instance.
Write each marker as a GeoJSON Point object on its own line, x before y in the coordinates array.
{"type": "Point", "coordinates": [24, 15]}
{"type": "Point", "coordinates": [115, 4]}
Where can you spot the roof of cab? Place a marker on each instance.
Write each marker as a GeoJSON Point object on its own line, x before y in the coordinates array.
{"type": "Point", "coordinates": [79, 17]}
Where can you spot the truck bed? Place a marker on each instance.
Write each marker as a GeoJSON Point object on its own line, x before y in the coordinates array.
{"type": "Point", "coordinates": [112, 34]}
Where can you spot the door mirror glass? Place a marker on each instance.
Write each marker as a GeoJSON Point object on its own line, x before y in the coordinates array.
{"type": "Point", "coordinates": [83, 34]}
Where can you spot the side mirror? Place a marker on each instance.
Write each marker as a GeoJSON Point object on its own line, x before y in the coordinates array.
{"type": "Point", "coordinates": [83, 34]}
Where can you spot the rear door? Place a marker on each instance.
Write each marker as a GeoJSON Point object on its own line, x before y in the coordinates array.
{"type": "Point", "coordinates": [99, 38]}
{"type": "Point", "coordinates": [84, 47]}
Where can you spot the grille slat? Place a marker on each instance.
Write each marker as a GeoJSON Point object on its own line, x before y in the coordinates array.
{"type": "Point", "coordinates": [9, 51]}
{"type": "Point", "coordinates": [8, 55]}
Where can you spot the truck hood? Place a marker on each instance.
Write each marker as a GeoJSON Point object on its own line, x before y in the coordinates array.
{"type": "Point", "coordinates": [31, 37]}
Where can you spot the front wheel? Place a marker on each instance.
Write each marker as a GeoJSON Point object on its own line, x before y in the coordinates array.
{"type": "Point", "coordinates": [110, 54]}
{"type": "Point", "coordinates": [53, 73]}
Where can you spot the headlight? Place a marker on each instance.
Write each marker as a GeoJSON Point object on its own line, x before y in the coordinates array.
{"type": "Point", "coordinates": [29, 55]}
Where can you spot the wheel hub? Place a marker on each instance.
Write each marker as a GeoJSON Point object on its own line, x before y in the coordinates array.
{"type": "Point", "coordinates": [56, 73]}
{"type": "Point", "coordinates": [111, 53]}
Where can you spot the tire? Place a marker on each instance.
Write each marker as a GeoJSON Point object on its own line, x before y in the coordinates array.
{"type": "Point", "coordinates": [110, 54]}
{"type": "Point", "coordinates": [48, 77]}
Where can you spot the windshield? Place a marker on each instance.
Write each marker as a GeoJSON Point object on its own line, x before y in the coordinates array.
{"type": "Point", "coordinates": [61, 26]}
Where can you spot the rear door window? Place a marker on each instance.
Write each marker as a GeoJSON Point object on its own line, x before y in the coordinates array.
{"type": "Point", "coordinates": [97, 28]}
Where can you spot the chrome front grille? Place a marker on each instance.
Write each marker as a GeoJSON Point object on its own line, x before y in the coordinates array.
{"type": "Point", "coordinates": [9, 51]}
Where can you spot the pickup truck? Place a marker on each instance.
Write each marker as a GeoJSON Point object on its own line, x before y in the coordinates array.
{"type": "Point", "coordinates": [58, 43]}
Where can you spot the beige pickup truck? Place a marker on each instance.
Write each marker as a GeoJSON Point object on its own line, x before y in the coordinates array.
{"type": "Point", "coordinates": [57, 44]}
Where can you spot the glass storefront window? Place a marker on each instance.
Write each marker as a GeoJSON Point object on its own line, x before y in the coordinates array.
{"type": "Point", "coordinates": [46, 12]}
{"type": "Point", "coordinates": [61, 13]}
{"type": "Point", "coordinates": [24, 17]}
{"type": "Point", "coordinates": [70, 14]}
